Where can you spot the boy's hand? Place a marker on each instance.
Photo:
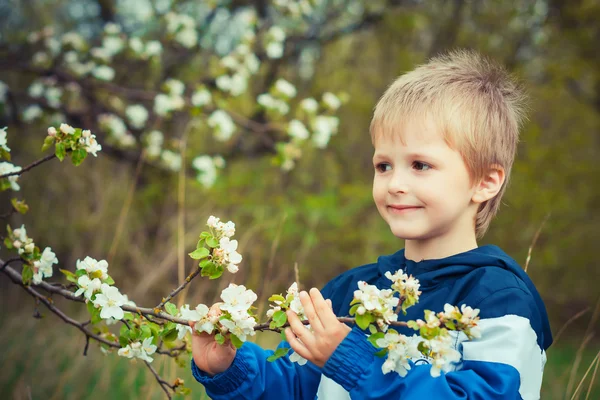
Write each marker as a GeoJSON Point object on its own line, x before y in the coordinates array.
{"type": "Point", "coordinates": [327, 332]}
{"type": "Point", "coordinates": [210, 356]}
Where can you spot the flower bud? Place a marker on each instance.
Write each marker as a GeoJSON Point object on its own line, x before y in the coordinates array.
{"type": "Point", "coordinates": [17, 244]}
{"type": "Point", "coordinates": [52, 131]}
{"type": "Point", "coordinates": [361, 310]}
{"type": "Point", "coordinates": [29, 247]}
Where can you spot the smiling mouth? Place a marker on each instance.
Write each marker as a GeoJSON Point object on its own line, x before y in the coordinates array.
{"type": "Point", "coordinates": [403, 209]}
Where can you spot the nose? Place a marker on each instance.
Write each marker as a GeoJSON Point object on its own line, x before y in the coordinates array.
{"type": "Point", "coordinates": [398, 183]}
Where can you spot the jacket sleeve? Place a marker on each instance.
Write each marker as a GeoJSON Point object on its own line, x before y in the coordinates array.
{"type": "Point", "coordinates": [251, 377]}
{"type": "Point", "coordinates": [505, 363]}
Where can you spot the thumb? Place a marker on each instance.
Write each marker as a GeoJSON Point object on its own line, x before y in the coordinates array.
{"type": "Point", "coordinates": [329, 302]}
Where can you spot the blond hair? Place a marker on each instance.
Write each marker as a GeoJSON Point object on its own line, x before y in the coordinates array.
{"type": "Point", "coordinates": [475, 102]}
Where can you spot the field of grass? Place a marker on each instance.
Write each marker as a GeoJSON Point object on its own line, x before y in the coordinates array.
{"type": "Point", "coordinates": [42, 359]}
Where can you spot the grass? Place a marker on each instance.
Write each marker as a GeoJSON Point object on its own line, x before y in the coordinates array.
{"type": "Point", "coordinates": [43, 359]}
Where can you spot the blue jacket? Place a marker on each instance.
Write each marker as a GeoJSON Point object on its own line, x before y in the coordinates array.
{"type": "Point", "coordinates": [507, 362]}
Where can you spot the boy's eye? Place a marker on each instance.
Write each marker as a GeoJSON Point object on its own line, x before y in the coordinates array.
{"type": "Point", "coordinates": [421, 166]}
{"type": "Point", "coordinates": [383, 167]}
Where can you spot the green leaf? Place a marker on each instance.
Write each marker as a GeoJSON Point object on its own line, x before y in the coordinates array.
{"type": "Point", "coordinates": [450, 325]}
{"type": "Point", "coordinates": [94, 312]}
{"type": "Point", "coordinates": [27, 274]}
{"type": "Point", "coordinates": [20, 206]}
{"type": "Point", "coordinates": [171, 308]}
{"type": "Point", "coordinates": [200, 243]}
{"type": "Point", "coordinates": [280, 352]}
{"type": "Point", "coordinates": [199, 253]}
{"type": "Point", "coordinates": [279, 319]}
{"type": "Point", "coordinates": [218, 272]}
{"type": "Point", "coordinates": [236, 341]}
{"type": "Point", "coordinates": [282, 334]}
{"type": "Point", "coordinates": [8, 243]}
{"type": "Point", "coordinates": [69, 275]}
{"type": "Point", "coordinates": [219, 338]}
{"type": "Point", "coordinates": [277, 297]}
{"type": "Point", "coordinates": [109, 280]}
{"type": "Point", "coordinates": [4, 154]}
{"type": "Point", "coordinates": [413, 325]}
{"type": "Point", "coordinates": [353, 309]}
{"type": "Point", "coordinates": [170, 335]}
{"type": "Point", "coordinates": [77, 134]}
{"type": "Point", "coordinates": [212, 242]}
{"type": "Point", "coordinates": [77, 156]}
{"type": "Point", "coordinates": [60, 151]}
{"type": "Point", "coordinates": [375, 337]}
{"type": "Point", "coordinates": [372, 329]}
{"type": "Point", "coordinates": [364, 320]}
{"type": "Point", "coordinates": [48, 143]}
{"type": "Point", "coordinates": [146, 331]}
{"type": "Point", "coordinates": [184, 391]}
{"type": "Point", "coordinates": [205, 235]}
{"type": "Point", "coordinates": [381, 353]}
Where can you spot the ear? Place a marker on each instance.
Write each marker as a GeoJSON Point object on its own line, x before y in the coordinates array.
{"type": "Point", "coordinates": [490, 185]}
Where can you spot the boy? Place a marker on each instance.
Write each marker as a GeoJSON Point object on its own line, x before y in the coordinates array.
{"type": "Point", "coordinates": [445, 136]}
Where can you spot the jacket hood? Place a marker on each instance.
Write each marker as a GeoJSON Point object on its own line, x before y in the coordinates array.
{"type": "Point", "coordinates": [435, 271]}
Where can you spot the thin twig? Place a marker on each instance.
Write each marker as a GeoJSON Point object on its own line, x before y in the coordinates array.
{"type": "Point", "coordinates": [30, 166]}
{"type": "Point", "coordinates": [535, 239]}
{"type": "Point", "coordinates": [161, 381]}
{"type": "Point", "coordinates": [7, 262]}
{"type": "Point", "coordinates": [179, 289]}
{"type": "Point", "coordinates": [347, 320]}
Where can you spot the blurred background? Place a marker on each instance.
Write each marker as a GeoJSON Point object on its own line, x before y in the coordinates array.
{"type": "Point", "coordinates": [298, 197]}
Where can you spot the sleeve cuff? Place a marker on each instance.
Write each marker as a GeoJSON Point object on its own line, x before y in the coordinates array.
{"type": "Point", "coordinates": [227, 381]}
{"type": "Point", "coordinates": [351, 360]}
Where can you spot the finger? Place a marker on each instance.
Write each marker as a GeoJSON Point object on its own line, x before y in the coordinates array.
{"type": "Point", "coordinates": [323, 310]}
{"type": "Point", "coordinates": [310, 312]}
{"type": "Point", "coordinates": [329, 303]}
{"type": "Point", "coordinates": [297, 345]}
{"type": "Point", "coordinates": [191, 324]}
{"type": "Point", "coordinates": [300, 330]}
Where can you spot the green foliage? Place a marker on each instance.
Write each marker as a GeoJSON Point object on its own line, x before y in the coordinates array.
{"type": "Point", "coordinates": [279, 319]}
{"type": "Point", "coordinates": [280, 352]}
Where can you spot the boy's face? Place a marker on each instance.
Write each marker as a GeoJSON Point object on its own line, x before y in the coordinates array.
{"type": "Point", "coordinates": [422, 187]}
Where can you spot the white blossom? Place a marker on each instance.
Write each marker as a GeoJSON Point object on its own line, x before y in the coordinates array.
{"type": "Point", "coordinates": [171, 160]}
{"type": "Point", "coordinates": [36, 89]}
{"type": "Point", "coordinates": [3, 141]}
{"type": "Point", "coordinates": [32, 113]}
{"type": "Point", "coordinates": [112, 45]}
{"type": "Point", "coordinates": [94, 268]}
{"type": "Point", "coordinates": [276, 33]}
{"type": "Point", "coordinates": [286, 88]}
{"type": "Point", "coordinates": [137, 115]}
{"type": "Point", "coordinates": [223, 125]}
{"type": "Point", "coordinates": [237, 299]}
{"type": "Point", "coordinates": [88, 286]}
{"type": "Point", "coordinates": [207, 170]}
{"type": "Point", "coordinates": [309, 105]}
{"type": "Point", "coordinates": [201, 97]}
{"type": "Point", "coordinates": [331, 101]}
{"type": "Point", "coordinates": [110, 301]}
{"type": "Point", "coordinates": [274, 50]}
{"type": "Point", "coordinates": [297, 358]}
{"type": "Point", "coordinates": [75, 40]}
{"type": "Point", "coordinates": [53, 95]}
{"type": "Point", "coordinates": [103, 72]}
{"type": "Point", "coordinates": [3, 91]}
{"type": "Point", "coordinates": [7, 168]}
{"type": "Point", "coordinates": [296, 129]}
